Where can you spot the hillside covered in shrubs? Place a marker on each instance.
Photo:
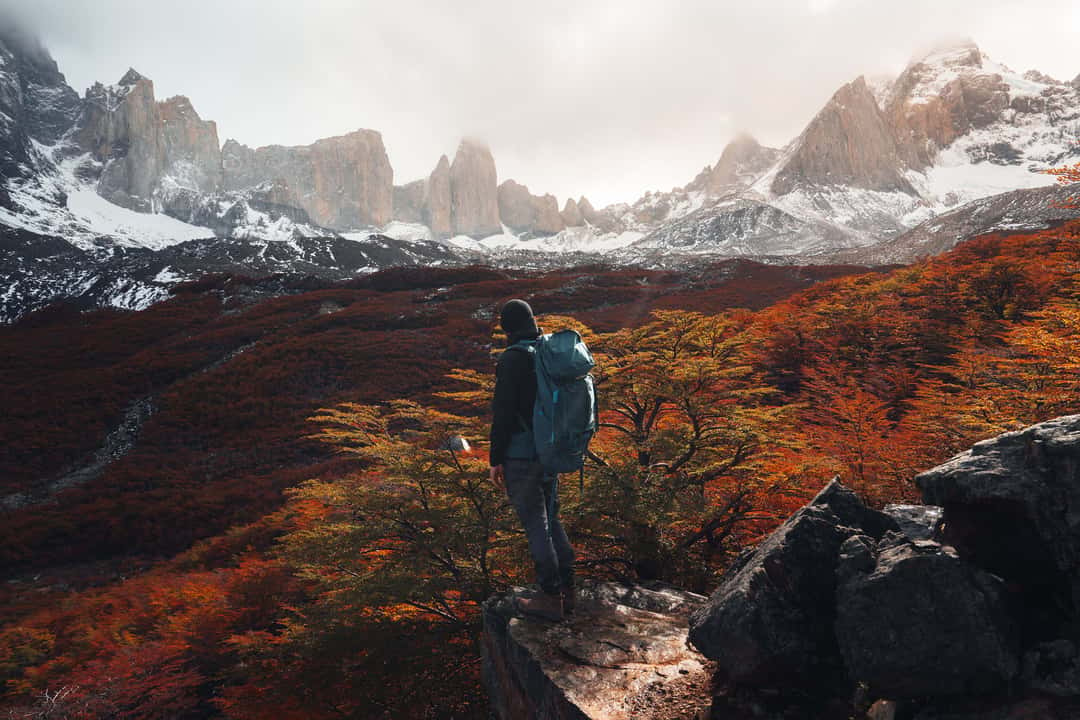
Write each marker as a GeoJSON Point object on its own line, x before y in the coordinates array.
{"type": "Point", "coordinates": [240, 502]}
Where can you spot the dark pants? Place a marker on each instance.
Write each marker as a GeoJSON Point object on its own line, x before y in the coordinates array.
{"type": "Point", "coordinates": [536, 499]}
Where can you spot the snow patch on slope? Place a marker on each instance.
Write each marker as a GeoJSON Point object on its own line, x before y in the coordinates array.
{"type": "Point", "coordinates": [56, 202]}
{"type": "Point", "coordinates": [100, 217]}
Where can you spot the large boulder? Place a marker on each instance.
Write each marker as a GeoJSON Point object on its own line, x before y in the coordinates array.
{"type": "Point", "coordinates": [770, 622]}
{"type": "Point", "coordinates": [1012, 507]}
{"type": "Point", "coordinates": [621, 655]}
{"type": "Point", "coordinates": [913, 620]}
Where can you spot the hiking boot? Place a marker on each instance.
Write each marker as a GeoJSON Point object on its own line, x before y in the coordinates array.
{"type": "Point", "coordinates": [568, 600]}
{"type": "Point", "coordinates": [543, 605]}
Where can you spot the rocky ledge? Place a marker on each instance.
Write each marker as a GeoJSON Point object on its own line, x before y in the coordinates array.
{"type": "Point", "coordinates": [622, 654]}
{"type": "Point", "coordinates": [966, 608]}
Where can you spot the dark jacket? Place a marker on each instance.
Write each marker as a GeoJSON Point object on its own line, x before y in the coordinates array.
{"type": "Point", "coordinates": [515, 395]}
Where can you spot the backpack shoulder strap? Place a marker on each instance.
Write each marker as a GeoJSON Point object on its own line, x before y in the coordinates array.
{"type": "Point", "coordinates": [529, 348]}
{"type": "Point", "coordinates": [525, 346]}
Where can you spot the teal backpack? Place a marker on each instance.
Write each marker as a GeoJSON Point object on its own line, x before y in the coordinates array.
{"type": "Point", "coordinates": [565, 413]}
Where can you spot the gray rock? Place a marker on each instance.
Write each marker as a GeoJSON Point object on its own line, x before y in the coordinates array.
{"type": "Point", "coordinates": [1026, 708]}
{"type": "Point", "coordinates": [121, 127]}
{"type": "Point", "coordinates": [1012, 507]}
{"type": "Point", "coordinates": [147, 149]}
{"type": "Point", "coordinates": [919, 622]}
{"type": "Point", "coordinates": [1053, 668]}
{"type": "Point", "coordinates": [35, 100]}
{"type": "Point", "coordinates": [769, 623]}
{"type": "Point", "coordinates": [409, 201]}
{"type": "Point", "coordinates": [343, 182]}
{"type": "Point", "coordinates": [192, 151]}
{"type": "Point", "coordinates": [857, 555]}
{"type": "Point", "coordinates": [918, 522]}
{"type": "Point", "coordinates": [623, 654]}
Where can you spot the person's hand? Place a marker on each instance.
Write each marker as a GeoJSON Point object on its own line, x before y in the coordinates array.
{"type": "Point", "coordinates": [498, 477]}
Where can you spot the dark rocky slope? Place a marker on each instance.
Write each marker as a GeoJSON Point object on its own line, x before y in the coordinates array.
{"type": "Point", "coordinates": [967, 608]}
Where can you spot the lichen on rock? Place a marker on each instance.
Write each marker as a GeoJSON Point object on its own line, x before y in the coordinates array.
{"type": "Point", "coordinates": [622, 654]}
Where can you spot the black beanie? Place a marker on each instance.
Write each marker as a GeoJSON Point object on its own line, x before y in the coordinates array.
{"type": "Point", "coordinates": [517, 317]}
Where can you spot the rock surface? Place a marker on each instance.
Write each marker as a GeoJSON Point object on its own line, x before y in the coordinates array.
{"type": "Point", "coordinates": [1012, 508]}
{"type": "Point", "coordinates": [742, 162]}
{"type": "Point", "coordinates": [192, 150]}
{"type": "Point", "coordinates": [1030, 209]}
{"type": "Point", "coordinates": [571, 213]}
{"type": "Point", "coordinates": [147, 149]}
{"type": "Point", "coordinates": [954, 610]}
{"type": "Point", "coordinates": [35, 101]}
{"type": "Point", "coordinates": [474, 200]}
{"type": "Point", "coordinates": [913, 620]}
{"type": "Point", "coordinates": [409, 201]}
{"type": "Point", "coordinates": [623, 654]}
{"type": "Point", "coordinates": [437, 202]}
{"type": "Point", "coordinates": [770, 622]}
{"type": "Point", "coordinates": [918, 522]}
{"type": "Point", "coordinates": [929, 124]}
{"type": "Point", "coordinates": [343, 182]}
{"type": "Point", "coordinates": [121, 128]}
{"type": "Point", "coordinates": [593, 216]}
{"type": "Point", "coordinates": [848, 143]}
{"type": "Point", "coordinates": [524, 212]}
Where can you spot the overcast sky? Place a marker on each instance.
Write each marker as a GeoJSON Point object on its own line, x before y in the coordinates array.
{"type": "Point", "coordinates": [605, 99]}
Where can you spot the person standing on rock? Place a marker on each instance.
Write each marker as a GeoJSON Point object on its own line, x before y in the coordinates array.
{"type": "Point", "coordinates": [515, 465]}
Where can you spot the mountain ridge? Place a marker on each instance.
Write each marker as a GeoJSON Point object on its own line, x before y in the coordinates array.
{"type": "Point", "coordinates": [874, 162]}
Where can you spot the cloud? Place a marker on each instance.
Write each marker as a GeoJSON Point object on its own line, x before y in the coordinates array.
{"type": "Point", "coordinates": [606, 99]}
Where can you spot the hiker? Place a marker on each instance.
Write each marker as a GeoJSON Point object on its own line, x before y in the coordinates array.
{"type": "Point", "coordinates": [531, 481]}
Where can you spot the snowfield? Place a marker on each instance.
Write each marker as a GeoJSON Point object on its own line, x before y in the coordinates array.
{"type": "Point", "coordinates": [56, 202]}
{"type": "Point", "coordinates": [150, 230]}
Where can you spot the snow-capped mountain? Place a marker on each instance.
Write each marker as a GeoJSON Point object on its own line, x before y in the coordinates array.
{"type": "Point", "coordinates": [36, 270]}
{"type": "Point", "coordinates": [118, 171]}
{"type": "Point", "coordinates": [954, 127]}
{"type": "Point", "coordinates": [877, 160]}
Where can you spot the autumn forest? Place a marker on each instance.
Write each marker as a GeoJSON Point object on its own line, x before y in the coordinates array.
{"type": "Point", "coordinates": [285, 530]}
